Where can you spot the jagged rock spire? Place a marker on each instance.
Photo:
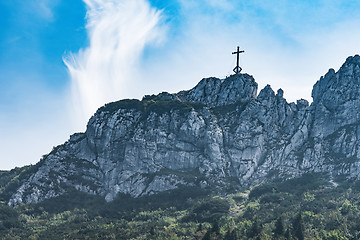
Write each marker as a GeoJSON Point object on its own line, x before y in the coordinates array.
{"type": "Point", "coordinates": [144, 147]}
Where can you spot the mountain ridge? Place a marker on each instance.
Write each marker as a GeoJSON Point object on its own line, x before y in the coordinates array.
{"type": "Point", "coordinates": [219, 134]}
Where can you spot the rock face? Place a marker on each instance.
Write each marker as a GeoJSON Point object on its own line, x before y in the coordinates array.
{"type": "Point", "coordinates": [220, 134]}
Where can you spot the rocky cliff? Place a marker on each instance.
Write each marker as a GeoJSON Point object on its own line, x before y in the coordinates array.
{"type": "Point", "coordinates": [219, 134]}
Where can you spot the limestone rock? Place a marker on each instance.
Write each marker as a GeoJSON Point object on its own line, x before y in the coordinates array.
{"type": "Point", "coordinates": [219, 130]}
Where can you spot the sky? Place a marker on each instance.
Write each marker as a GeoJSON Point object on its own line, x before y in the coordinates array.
{"type": "Point", "coordinates": [62, 59]}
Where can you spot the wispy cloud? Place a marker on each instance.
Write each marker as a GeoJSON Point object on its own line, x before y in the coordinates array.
{"type": "Point", "coordinates": [35, 9]}
{"type": "Point", "coordinates": [118, 33]}
{"type": "Point", "coordinates": [45, 8]}
{"type": "Point", "coordinates": [281, 42]}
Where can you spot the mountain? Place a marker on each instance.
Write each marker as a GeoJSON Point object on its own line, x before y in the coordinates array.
{"type": "Point", "coordinates": [220, 135]}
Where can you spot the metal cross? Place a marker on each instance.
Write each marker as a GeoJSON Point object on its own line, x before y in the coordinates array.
{"type": "Point", "coordinates": [238, 69]}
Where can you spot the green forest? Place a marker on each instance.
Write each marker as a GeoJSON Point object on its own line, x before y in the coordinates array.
{"type": "Point", "coordinates": [312, 206]}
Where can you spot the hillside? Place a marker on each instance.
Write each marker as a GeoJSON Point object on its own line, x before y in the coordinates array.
{"type": "Point", "coordinates": [218, 161]}
{"type": "Point", "coordinates": [308, 207]}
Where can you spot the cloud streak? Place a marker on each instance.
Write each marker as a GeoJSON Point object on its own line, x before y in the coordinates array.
{"type": "Point", "coordinates": [282, 47]}
{"type": "Point", "coordinates": [45, 8]}
{"type": "Point", "coordinates": [105, 71]}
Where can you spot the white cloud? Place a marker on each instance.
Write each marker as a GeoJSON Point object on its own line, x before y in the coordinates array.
{"type": "Point", "coordinates": [288, 45]}
{"type": "Point", "coordinates": [106, 70]}
{"type": "Point", "coordinates": [279, 50]}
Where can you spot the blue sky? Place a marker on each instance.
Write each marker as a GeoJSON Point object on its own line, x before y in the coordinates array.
{"type": "Point", "coordinates": [62, 59]}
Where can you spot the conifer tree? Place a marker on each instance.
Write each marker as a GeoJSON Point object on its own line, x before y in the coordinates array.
{"type": "Point", "coordinates": [231, 235]}
{"type": "Point", "coordinates": [288, 234]}
{"type": "Point", "coordinates": [298, 227]}
{"type": "Point", "coordinates": [207, 235]}
{"type": "Point", "coordinates": [279, 227]}
{"type": "Point", "coordinates": [215, 228]}
{"type": "Point", "coordinates": [254, 230]}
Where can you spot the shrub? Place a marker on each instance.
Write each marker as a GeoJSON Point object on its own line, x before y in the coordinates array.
{"type": "Point", "coordinates": [260, 190]}
{"type": "Point", "coordinates": [209, 210]}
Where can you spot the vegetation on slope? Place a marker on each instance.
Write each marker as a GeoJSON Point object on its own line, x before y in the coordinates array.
{"type": "Point", "coordinates": [11, 180]}
{"type": "Point", "coordinates": [151, 104]}
{"type": "Point", "coordinates": [309, 207]}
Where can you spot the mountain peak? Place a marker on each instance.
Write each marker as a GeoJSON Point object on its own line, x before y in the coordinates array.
{"type": "Point", "coordinates": [266, 94]}
{"type": "Point", "coordinates": [216, 92]}
{"type": "Point", "coordinates": [353, 60]}
{"type": "Point", "coordinates": [339, 87]}
{"type": "Point", "coordinates": [351, 67]}
{"type": "Point", "coordinates": [232, 139]}
{"type": "Point", "coordinates": [280, 93]}
{"type": "Point", "coordinates": [337, 98]}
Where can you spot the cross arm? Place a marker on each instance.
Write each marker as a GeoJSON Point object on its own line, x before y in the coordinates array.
{"type": "Point", "coordinates": [238, 52]}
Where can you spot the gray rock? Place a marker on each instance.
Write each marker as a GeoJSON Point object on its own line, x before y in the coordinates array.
{"type": "Point", "coordinates": [218, 130]}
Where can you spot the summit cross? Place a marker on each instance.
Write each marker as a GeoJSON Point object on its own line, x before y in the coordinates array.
{"type": "Point", "coordinates": [238, 69]}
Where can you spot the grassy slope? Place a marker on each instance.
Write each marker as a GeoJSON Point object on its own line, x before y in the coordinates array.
{"type": "Point", "coordinates": [11, 180]}
{"type": "Point", "coordinates": [309, 206]}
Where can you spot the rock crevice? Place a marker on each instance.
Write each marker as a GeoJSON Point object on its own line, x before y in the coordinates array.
{"type": "Point", "coordinates": [218, 130]}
